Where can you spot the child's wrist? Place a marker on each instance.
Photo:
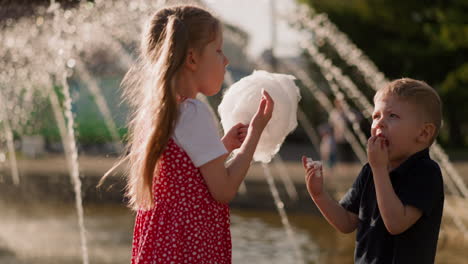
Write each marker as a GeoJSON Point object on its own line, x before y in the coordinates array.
{"type": "Point", "coordinates": [319, 196]}
{"type": "Point", "coordinates": [380, 169]}
{"type": "Point", "coordinates": [255, 131]}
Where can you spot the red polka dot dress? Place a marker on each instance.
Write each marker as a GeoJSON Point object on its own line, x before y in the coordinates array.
{"type": "Point", "coordinates": [186, 224]}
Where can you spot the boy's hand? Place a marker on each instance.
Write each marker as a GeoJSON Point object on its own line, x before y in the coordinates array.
{"type": "Point", "coordinates": [313, 177]}
{"type": "Point", "coordinates": [235, 136]}
{"type": "Point", "coordinates": [264, 112]}
{"type": "Point", "coordinates": [377, 152]}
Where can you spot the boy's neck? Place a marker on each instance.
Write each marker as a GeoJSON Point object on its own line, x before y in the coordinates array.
{"type": "Point", "coordinates": [393, 164]}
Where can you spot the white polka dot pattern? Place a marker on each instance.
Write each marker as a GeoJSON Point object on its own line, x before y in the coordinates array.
{"type": "Point", "coordinates": [186, 224]}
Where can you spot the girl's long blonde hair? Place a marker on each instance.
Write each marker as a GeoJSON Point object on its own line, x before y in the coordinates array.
{"type": "Point", "coordinates": [149, 90]}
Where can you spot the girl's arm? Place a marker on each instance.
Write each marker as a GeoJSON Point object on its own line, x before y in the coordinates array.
{"type": "Point", "coordinates": [341, 219]}
{"type": "Point", "coordinates": [223, 182]}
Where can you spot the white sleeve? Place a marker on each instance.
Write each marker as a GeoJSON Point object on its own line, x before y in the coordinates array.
{"type": "Point", "coordinates": [197, 133]}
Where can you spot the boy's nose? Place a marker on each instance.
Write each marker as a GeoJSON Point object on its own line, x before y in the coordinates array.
{"type": "Point", "coordinates": [379, 123]}
{"type": "Point", "coordinates": [226, 61]}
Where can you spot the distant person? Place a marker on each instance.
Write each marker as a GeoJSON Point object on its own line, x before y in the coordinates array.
{"type": "Point", "coordinates": [397, 200]}
{"type": "Point", "coordinates": [327, 146]}
{"type": "Point", "coordinates": [339, 121]}
{"type": "Point", "coordinates": [177, 181]}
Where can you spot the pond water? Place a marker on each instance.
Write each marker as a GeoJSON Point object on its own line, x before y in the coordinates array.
{"type": "Point", "coordinates": [48, 233]}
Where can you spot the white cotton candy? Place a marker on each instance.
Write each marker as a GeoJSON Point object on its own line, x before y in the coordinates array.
{"type": "Point", "coordinates": [240, 103]}
{"type": "Point", "coordinates": [317, 164]}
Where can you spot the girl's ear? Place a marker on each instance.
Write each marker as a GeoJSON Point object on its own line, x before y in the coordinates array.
{"type": "Point", "coordinates": [427, 132]}
{"type": "Point", "coordinates": [191, 60]}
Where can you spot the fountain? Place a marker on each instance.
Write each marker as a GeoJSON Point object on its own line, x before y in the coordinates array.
{"type": "Point", "coordinates": [42, 52]}
{"type": "Point", "coordinates": [324, 30]}
{"type": "Point", "coordinates": [44, 55]}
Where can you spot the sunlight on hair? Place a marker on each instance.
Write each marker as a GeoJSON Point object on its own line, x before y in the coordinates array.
{"type": "Point", "coordinates": [240, 103]}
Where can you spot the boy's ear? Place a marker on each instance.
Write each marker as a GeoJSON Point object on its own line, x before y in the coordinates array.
{"type": "Point", "coordinates": [427, 132]}
{"type": "Point", "coordinates": [191, 60]}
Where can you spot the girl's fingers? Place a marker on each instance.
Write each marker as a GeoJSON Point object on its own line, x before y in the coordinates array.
{"type": "Point", "coordinates": [267, 96]}
{"type": "Point", "coordinates": [262, 106]}
{"type": "Point", "coordinates": [237, 126]}
{"type": "Point", "coordinates": [269, 102]}
{"type": "Point", "coordinates": [243, 129]}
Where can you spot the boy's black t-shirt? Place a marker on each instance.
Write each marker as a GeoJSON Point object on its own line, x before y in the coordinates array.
{"type": "Point", "coordinates": [417, 182]}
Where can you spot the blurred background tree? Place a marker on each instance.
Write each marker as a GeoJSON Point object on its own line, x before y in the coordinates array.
{"type": "Point", "coordinates": [425, 40]}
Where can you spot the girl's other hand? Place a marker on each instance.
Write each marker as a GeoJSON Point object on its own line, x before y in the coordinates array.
{"type": "Point", "coordinates": [313, 177]}
{"type": "Point", "coordinates": [235, 136]}
{"type": "Point", "coordinates": [264, 112]}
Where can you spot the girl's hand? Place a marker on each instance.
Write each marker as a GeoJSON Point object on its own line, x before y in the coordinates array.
{"type": "Point", "coordinates": [313, 177]}
{"type": "Point", "coordinates": [264, 112]}
{"type": "Point", "coordinates": [377, 152]}
{"type": "Point", "coordinates": [235, 136]}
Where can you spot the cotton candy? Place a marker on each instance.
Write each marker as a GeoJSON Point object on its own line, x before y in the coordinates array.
{"type": "Point", "coordinates": [240, 103]}
{"type": "Point", "coordinates": [312, 163]}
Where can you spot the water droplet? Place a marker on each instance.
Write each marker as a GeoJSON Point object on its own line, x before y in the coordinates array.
{"type": "Point", "coordinates": [71, 63]}
{"type": "Point", "coordinates": [280, 205]}
{"type": "Point", "coordinates": [68, 14]}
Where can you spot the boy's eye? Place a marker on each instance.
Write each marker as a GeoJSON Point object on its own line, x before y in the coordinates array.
{"type": "Point", "coordinates": [393, 116]}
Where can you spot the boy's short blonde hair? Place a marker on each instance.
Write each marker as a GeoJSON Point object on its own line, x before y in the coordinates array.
{"type": "Point", "coordinates": [420, 94]}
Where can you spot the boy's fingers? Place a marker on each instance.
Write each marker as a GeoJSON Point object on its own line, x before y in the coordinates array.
{"type": "Point", "coordinates": [304, 162]}
{"type": "Point", "coordinates": [371, 141]}
{"type": "Point", "coordinates": [378, 142]}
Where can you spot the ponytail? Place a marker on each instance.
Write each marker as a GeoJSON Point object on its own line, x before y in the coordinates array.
{"type": "Point", "coordinates": [149, 88]}
{"type": "Point", "coordinates": [168, 58]}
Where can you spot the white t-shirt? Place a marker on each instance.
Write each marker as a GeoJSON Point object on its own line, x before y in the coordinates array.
{"type": "Point", "coordinates": [196, 132]}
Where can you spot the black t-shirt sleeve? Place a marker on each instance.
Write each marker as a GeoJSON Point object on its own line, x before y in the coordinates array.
{"type": "Point", "coordinates": [351, 200]}
{"type": "Point", "coordinates": [423, 186]}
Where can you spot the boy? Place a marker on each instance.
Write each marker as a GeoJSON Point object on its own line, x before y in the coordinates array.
{"type": "Point", "coordinates": [397, 200]}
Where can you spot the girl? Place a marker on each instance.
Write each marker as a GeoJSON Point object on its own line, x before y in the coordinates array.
{"type": "Point", "coordinates": [177, 179]}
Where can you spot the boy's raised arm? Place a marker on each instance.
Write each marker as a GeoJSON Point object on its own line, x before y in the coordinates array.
{"type": "Point", "coordinates": [343, 220]}
{"type": "Point", "coordinates": [396, 216]}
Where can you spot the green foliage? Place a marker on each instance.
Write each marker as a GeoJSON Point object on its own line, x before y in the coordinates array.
{"type": "Point", "coordinates": [425, 40]}
{"type": "Point", "coordinates": [455, 93]}
{"type": "Point", "coordinates": [92, 131]}
{"type": "Point", "coordinates": [90, 127]}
